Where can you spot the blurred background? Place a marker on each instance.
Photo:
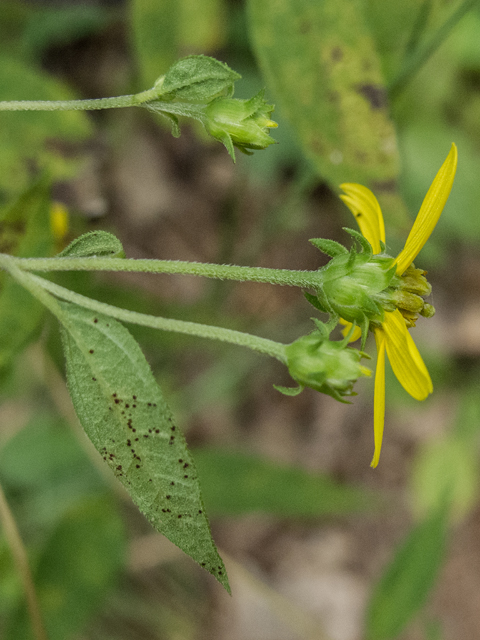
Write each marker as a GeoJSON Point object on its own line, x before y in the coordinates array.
{"type": "Point", "coordinates": [317, 545]}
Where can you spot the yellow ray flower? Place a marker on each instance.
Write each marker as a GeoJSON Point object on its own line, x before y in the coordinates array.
{"type": "Point", "coordinates": [392, 334]}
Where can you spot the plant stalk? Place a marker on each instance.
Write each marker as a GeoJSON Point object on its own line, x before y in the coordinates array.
{"type": "Point", "coordinates": [19, 554]}
{"type": "Point", "coordinates": [133, 100]}
{"type": "Point", "coordinates": [304, 279]}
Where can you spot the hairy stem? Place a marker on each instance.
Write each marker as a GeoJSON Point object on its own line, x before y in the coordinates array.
{"type": "Point", "coordinates": [133, 100]}
{"type": "Point", "coordinates": [304, 279]}
{"type": "Point", "coordinates": [39, 287]}
{"type": "Point", "coordinates": [262, 345]}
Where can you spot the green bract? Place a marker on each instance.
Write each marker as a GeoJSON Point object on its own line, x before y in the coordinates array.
{"type": "Point", "coordinates": [356, 286]}
{"type": "Point", "coordinates": [240, 123]}
{"type": "Point", "coordinates": [324, 365]}
{"type": "Point", "coordinates": [360, 287]}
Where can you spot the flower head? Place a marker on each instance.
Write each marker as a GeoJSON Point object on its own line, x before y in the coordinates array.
{"type": "Point", "coordinates": [329, 366]}
{"type": "Point", "coordinates": [391, 332]}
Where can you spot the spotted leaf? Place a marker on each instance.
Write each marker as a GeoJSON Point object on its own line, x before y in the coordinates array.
{"type": "Point", "coordinates": [124, 414]}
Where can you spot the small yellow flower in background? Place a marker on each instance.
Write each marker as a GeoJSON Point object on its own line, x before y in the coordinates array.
{"type": "Point", "coordinates": [392, 334]}
{"type": "Point", "coordinates": [58, 220]}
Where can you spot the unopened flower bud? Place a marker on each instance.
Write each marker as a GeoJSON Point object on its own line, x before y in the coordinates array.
{"type": "Point", "coordinates": [240, 123]}
{"type": "Point", "coordinates": [357, 287]}
{"type": "Point", "coordinates": [327, 366]}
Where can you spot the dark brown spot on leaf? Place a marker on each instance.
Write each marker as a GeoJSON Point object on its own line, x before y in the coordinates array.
{"type": "Point", "coordinates": [376, 95]}
{"type": "Point", "coordinates": [336, 54]}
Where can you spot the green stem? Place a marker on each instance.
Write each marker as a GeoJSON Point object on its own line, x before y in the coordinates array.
{"type": "Point", "coordinates": [304, 279]}
{"type": "Point", "coordinates": [133, 100]}
{"type": "Point", "coordinates": [19, 554]}
{"type": "Point", "coordinates": [39, 287]}
{"type": "Point", "coordinates": [418, 59]}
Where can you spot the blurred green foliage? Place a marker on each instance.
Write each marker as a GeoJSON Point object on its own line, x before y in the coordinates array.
{"type": "Point", "coordinates": [163, 31]}
{"type": "Point", "coordinates": [43, 138]}
{"type": "Point", "coordinates": [408, 579]}
{"type": "Point", "coordinates": [257, 485]}
{"type": "Point", "coordinates": [74, 530]}
{"type": "Point", "coordinates": [321, 63]}
{"type": "Point", "coordinates": [339, 83]}
{"type": "Point", "coordinates": [24, 231]}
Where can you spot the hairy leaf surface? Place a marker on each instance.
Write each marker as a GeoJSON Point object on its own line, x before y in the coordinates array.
{"type": "Point", "coordinates": [126, 417]}
{"type": "Point", "coordinates": [94, 243]}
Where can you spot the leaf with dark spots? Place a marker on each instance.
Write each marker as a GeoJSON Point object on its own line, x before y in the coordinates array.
{"type": "Point", "coordinates": [320, 62]}
{"type": "Point", "coordinates": [150, 471]}
{"type": "Point", "coordinates": [376, 95]}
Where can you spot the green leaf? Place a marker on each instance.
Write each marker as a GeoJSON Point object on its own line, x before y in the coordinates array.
{"type": "Point", "coordinates": [124, 414]}
{"type": "Point", "coordinates": [25, 232]}
{"type": "Point", "coordinates": [319, 60]}
{"type": "Point", "coordinates": [407, 581]}
{"type": "Point", "coordinates": [76, 569]}
{"type": "Point", "coordinates": [35, 136]}
{"type": "Point", "coordinates": [94, 243]}
{"type": "Point", "coordinates": [198, 79]}
{"type": "Point", "coordinates": [235, 483]}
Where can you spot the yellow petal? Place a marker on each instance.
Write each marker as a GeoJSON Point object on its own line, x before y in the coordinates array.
{"type": "Point", "coordinates": [430, 211]}
{"type": "Point", "coordinates": [379, 398]}
{"type": "Point", "coordinates": [406, 361]}
{"type": "Point", "coordinates": [357, 332]}
{"type": "Point", "coordinates": [364, 206]}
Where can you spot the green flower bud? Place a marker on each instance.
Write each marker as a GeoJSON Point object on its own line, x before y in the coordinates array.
{"type": "Point", "coordinates": [358, 287]}
{"type": "Point", "coordinates": [330, 367]}
{"type": "Point", "coordinates": [240, 123]}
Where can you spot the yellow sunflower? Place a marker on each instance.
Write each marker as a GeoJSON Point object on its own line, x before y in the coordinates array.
{"type": "Point", "coordinates": [392, 334]}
